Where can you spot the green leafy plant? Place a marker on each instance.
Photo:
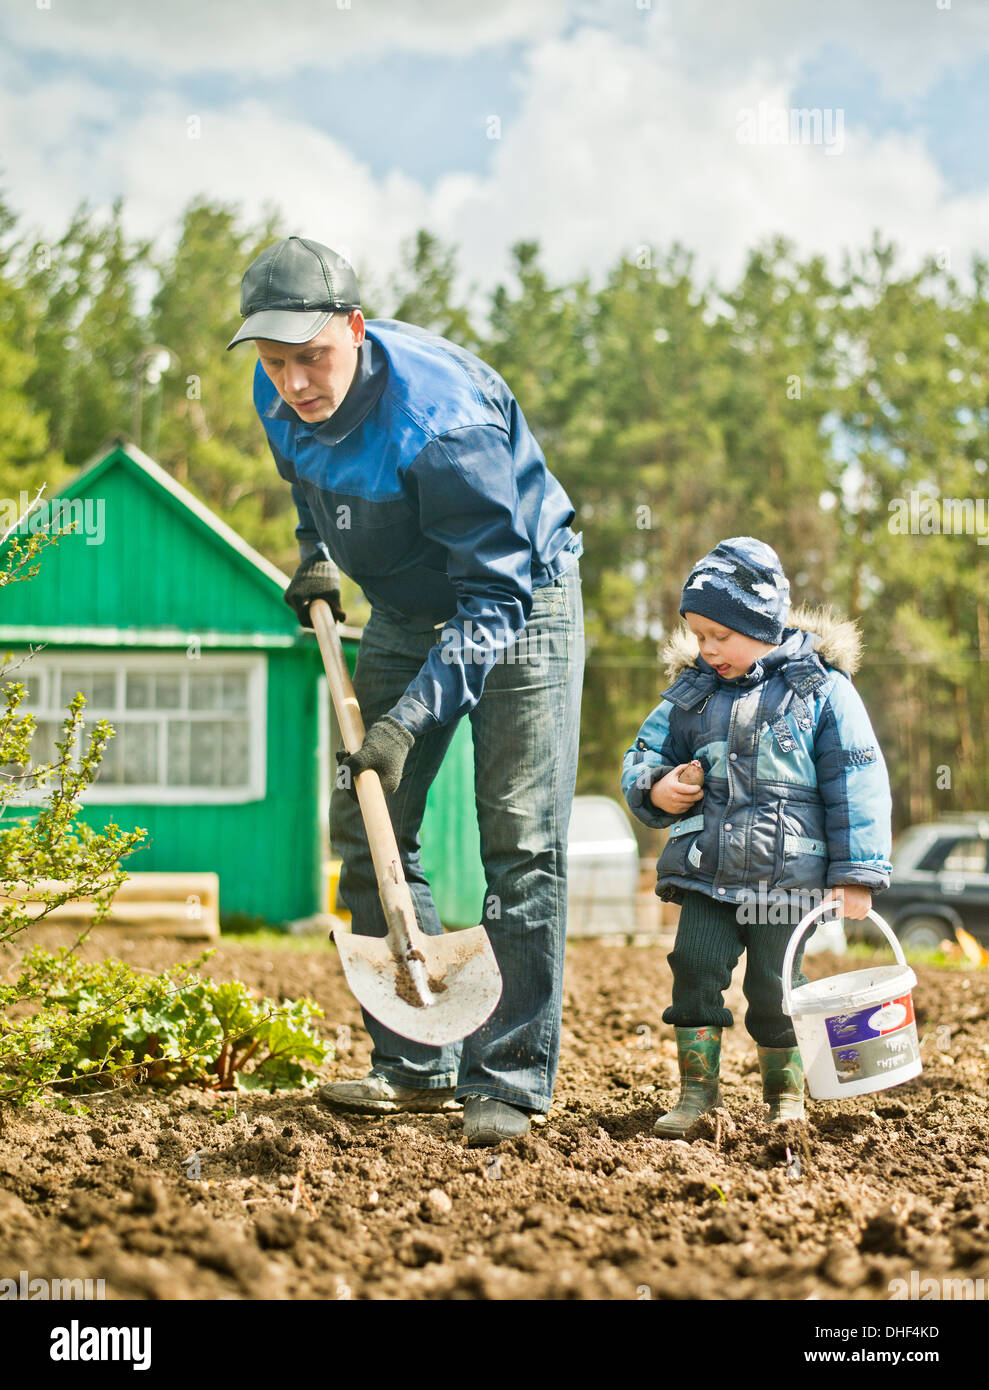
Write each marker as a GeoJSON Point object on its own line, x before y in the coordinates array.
{"type": "Point", "coordinates": [103, 1019]}
{"type": "Point", "coordinates": [276, 1040]}
{"type": "Point", "coordinates": [58, 1012]}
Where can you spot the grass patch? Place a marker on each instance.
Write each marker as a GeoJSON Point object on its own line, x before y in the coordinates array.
{"type": "Point", "coordinates": [865, 951]}
{"type": "Point", "coordinates": [271, 939]}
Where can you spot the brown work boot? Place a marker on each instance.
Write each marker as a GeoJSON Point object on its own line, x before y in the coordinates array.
{"type": "Point", "coordinates": [488, 1121]}
{"type": "Point", "coordinates": [374, 1094]}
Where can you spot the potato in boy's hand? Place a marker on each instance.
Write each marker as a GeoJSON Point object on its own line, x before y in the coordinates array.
{"type": "Point", "coordinates": [673, 796]}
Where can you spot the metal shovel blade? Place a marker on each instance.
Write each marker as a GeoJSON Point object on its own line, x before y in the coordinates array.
{"type": "Point", "coordinates": [432, 989]}
{"type": "Point", "coordinates": [458, 978]}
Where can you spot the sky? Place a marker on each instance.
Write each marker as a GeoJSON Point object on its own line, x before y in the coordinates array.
{"type": "Point", "coordinates": [595, 127]}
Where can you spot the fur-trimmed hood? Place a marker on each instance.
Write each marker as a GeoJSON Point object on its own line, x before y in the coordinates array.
{"type": "Point", "coordinates": [837, 640]}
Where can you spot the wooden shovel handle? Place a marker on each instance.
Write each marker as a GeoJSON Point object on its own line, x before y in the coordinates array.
{"type": "Point", "coordinates": [338, 675]}
{"type": "Point", "coordinates": [377, 822]}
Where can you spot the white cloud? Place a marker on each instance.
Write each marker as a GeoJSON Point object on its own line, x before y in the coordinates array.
{"type": "Point", "coordinates": [258, 36]}
{"type": "Point", "coordinates": [618, 141]}
{"type": "Point", "coordinates": [613, 149]}
{"type": "Point", "coordinates": [245, 155]}
{"type": "Point", "coordinates": [908, 43]}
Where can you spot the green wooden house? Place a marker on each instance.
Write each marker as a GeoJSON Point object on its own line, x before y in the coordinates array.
{"type": "Point", "coordinates": [175, 630]}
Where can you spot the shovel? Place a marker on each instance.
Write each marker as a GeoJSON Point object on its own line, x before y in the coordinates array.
{"type": "Point", "coordinates": [432, 989]}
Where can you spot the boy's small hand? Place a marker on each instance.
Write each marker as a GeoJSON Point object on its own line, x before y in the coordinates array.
{"type": "Point", "coordinates": [673, 796]}
{"type": "Point", "coordinates": [853, 900]}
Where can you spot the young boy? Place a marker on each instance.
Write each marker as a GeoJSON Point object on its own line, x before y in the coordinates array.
{"type": "Point", "coordinates": [795, 800]}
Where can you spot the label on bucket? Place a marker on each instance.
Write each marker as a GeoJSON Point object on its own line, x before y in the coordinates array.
{"type": "Point", "coordinates": [876, 1056]}
{"type": "Point", "coordinates": [873, 1022]}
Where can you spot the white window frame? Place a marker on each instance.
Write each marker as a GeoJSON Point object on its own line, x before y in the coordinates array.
{"type": "Point", "coordinates": [48, 664]}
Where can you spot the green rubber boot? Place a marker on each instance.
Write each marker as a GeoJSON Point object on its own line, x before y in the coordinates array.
{"type": "Point", "coordinates": [782, 1082]}
{"type": "Point", "coordinates": [699, 1056]}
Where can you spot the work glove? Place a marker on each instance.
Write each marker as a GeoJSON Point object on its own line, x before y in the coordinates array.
{"type": "Point", "coordinates": [314, 579]}
{"type": "Point", "coordinates": [384, 750]}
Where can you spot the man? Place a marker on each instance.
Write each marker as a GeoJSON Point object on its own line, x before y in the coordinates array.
{"type": "Point", "coordinates": [413, 469]}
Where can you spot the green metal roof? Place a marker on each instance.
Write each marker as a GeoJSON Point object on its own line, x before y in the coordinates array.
{"type": "Point", "coordinates": [155, 560]}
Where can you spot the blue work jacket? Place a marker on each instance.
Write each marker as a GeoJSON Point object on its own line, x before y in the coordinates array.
{"type": "Point", "coordinates": [427, 487]}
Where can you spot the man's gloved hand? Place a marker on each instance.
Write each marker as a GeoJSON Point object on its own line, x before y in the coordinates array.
{"type": "Point", "coordinates": [384, 750]}
{"type": "Point", "coordinates": [314, 579]}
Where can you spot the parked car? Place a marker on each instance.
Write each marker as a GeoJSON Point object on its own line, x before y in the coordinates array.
{"type": "Point", "coordinates": [940, 881]}
{"type": "Point", "coordinates": [603, 869]}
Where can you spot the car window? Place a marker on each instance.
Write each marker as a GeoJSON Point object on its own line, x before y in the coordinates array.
{"type": "Point", "coordinates": [933, 858]}
{"type": "Point", "coordinates": [965, 857]}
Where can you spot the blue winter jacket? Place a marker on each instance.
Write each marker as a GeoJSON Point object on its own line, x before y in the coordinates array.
{"type": "Point", "coordinates": [427, 487]}
{"type": "Point", "coordinates": [796, 792]}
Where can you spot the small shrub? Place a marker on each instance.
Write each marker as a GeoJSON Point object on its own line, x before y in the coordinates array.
{"type": "Point", "coordinates": [100, 1021]}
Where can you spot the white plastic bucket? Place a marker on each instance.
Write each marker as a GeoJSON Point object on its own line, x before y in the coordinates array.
{"type": "Point", "coordinates": [829, 936]}
{"type": "Point", "coordinates": [856, 1032]}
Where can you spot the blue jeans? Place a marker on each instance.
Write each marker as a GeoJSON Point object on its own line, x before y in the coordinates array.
{"type": "Point", "coordinates": [525, 730]}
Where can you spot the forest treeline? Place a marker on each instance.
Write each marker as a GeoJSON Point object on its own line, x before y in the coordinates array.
{"type": "Point", "coordinates": [839, 414]}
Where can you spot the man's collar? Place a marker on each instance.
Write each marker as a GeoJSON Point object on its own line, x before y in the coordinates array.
{"type": "Point", "coordinates": [363, 395]}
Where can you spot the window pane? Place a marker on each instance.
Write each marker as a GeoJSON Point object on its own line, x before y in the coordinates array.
{"type": "Point", "coordinates": [99, 687]}
{"type": "Point", "coordinates": [178, 753]}
{"type": "Point", "coordinates": [139, 753]}
{"type": "Point", "coordinates": [73, 681]}
{"type": "Point", "coordinates": [235, 737]}
{"type": "Point", "coordinates": [204, 691]}
{"type": "Point", "coordinates": [34, 688]}
{"type": "Point", "coordinates": [208, 752]}
{"type": "Point", "coordinates": [168, 692]}
{"type": "Point", "coordinates": [966, 857]}
{"type": "Point", "coordinates": [153, 690]}
{"type": "Point", "coordinates": [138, 691]}
{"type": "Point", "coordinates": [234, 695]}
{"type": "Point", "coordinates": [105, 689]}
{"type": "Point", "coordinates": [205, 750]}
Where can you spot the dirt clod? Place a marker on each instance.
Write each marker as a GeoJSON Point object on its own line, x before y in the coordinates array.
{"type": "Point", "coordinates": [437, 1204]}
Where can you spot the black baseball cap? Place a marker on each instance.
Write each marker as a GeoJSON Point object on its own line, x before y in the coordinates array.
{"type": "Point", "coordinates": [291, 291]}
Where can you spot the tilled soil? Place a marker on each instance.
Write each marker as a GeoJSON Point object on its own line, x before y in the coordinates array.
{"type": "Point", "coordinates": [292, 1201]}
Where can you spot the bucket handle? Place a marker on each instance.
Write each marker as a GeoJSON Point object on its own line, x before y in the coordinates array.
{"type": "Point", "coordinates": [809, 920]}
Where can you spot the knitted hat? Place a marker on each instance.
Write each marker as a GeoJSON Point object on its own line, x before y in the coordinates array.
{"type": "Point", "coordinates": [742, 585]}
